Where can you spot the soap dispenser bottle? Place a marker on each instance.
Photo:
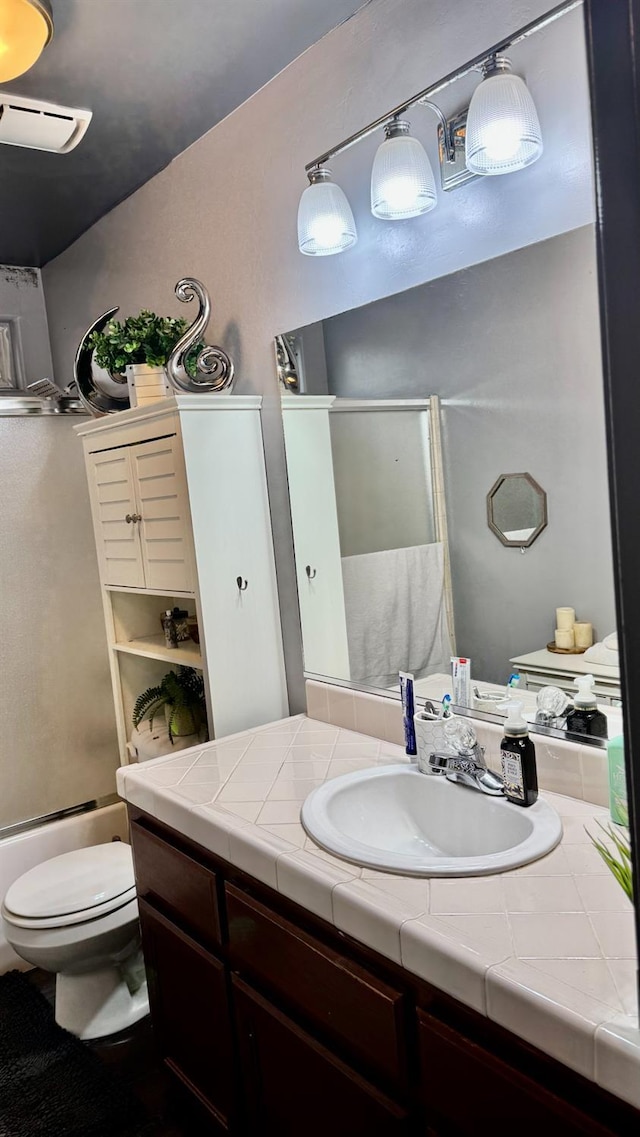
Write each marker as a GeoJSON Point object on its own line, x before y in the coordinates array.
{"type": "Point", "coordinates": [585, 718]}
{"type": "Point", "coordinates": [518, 756]}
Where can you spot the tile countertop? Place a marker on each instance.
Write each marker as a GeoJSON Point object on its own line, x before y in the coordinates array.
{"type": "Point", "coordinates": [547, 951]}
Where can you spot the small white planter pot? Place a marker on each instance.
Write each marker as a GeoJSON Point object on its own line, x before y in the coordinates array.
{"type": "Point", "coordinates": [147, 384]}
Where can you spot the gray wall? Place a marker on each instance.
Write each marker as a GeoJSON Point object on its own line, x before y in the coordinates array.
{"type": "Point", "coordinates": [512, 347]}
{"type": "Point", "coordinates": [58, 743]}
{"type": "Point", "coordinates": [22, 301]}
{"type": "Point", "coordinates": [225, 210]}
{"type": "Point", "coordinates": [377, 456]}
{"type": "Point", "coordinates": [58, 730]}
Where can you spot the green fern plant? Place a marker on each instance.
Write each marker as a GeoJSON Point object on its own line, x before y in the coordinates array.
{"type": "Point", "coordinates": [182, 692]}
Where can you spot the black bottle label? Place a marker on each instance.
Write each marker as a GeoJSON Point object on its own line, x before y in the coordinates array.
{"type": "Point", "coordinates": [512, 775]}
{"type": "Point", "coordinates": [519, 769]}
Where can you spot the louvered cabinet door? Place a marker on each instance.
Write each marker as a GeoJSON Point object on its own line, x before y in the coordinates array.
{"type": "Point", "coordinates": [113, 500]}
{"type": "Point", "coordinates": [164, 524]}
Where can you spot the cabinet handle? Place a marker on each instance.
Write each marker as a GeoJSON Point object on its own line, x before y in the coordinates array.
{"type": "Point", "coordinates": [311, 573]}
{"type": "Point", "coordinates": [133, 517]}
{"type": "Point", "coordinates": [242, 584]}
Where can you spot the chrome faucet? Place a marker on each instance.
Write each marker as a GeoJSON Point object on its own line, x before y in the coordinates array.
{"type": "Point", "coordinates": [467, 766]}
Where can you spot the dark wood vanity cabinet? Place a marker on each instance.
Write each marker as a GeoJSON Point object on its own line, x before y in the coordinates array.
{"type": "Point", "coordinates": [293, 1085]}
{"type": "Point", "coordinates": [188, 992]}
{"type": "Point", "coordinates": [273, 1024]}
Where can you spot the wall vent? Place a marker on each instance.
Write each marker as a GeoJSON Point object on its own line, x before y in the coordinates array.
{"type": "Point", "coordinates": [39, 125]}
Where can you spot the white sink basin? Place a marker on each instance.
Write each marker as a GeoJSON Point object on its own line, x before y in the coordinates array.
{"type": "Point", "coordinates": [396, 819]}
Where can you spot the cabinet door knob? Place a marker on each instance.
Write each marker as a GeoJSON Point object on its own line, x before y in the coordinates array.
{"type": "Point", "coordinates": [311, 573]}
{"type": "Point", "coordinates": [242, 584]}
{"type": "Point", "coordinates": [129, 518]}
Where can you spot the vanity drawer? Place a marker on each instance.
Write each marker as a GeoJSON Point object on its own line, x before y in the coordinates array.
{"type": "Point", "coordinates": [468, 1090]}
{"type": "Point", "coordinates": [340, 998]}
{"type": "Point", "coordinates": [177, 884]}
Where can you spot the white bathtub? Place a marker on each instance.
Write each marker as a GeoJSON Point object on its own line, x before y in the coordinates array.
{"type": "Point", "coordinates": [25, 850]}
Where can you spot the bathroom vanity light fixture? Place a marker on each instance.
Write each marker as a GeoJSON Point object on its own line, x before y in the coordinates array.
{"type": "Point", "coordinates": [402, 181]}
{"type": "Point", "coordinates": [26, 27]}
{"type": "Point", "coordinates": [325, 220]}
{"type": "Point", "coordinates": [499, 133]}
{"type": "Point", "coordinates": [503, 131]}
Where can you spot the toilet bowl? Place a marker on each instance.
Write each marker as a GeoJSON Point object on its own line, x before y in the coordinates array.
{"type": "Point", "coordinates": [77, 915]}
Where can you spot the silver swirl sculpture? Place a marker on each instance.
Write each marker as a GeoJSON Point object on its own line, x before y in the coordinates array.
{"type": "Point", "coordinates": [214, 368]}
{"type": "Point", "coordinates": [101, 392]}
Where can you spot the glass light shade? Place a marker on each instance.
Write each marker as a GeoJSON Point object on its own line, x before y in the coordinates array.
{"type": "Point", "coordinates": [26, 26]}
{"type": "Point", "coordinates": [503, 129]}
{"type": "Point", "coordinates": [402, 181]}
{"type": "Point", "coordinates": [325, 221]}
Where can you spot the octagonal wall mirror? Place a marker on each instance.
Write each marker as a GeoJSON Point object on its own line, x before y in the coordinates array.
{"type": "Point", "coordinates": [517, 510]}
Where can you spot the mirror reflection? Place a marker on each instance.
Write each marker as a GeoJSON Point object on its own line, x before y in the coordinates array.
{"type": "Point", "coordinates": [398, 416]}
{"type": "Point", "coordinates": [517, 509]}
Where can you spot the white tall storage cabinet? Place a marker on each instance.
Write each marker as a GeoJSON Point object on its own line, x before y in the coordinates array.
{"type": "Point", "coordinates": [181, 516]}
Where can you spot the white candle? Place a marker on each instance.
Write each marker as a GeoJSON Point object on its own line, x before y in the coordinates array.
{"type": "Point", "coordinates": [565, 618]}
{"type": "Point", "coordinates": [583, 633]}
{"type": "Point", "coordinates": [565, 638]}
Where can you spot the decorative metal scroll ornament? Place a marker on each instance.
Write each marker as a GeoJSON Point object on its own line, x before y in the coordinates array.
{"type": "Point", "coordinates": [214, 368]}
{"type": "Point", "coordinates": [100, 391]}
{"type": "Point", "coordinates": [286, 363]}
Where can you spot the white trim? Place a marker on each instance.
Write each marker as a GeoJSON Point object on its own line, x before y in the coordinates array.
{"type": "Point", "coordinates": [334, 403]}
{"type": "Point", "coordinates": [166, 407]}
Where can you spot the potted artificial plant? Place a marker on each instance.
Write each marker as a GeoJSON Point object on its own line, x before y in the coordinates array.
{"type": "Point", "coordinates": [180, 696]}
{"type": "Point", "coordinates": [139, 348]}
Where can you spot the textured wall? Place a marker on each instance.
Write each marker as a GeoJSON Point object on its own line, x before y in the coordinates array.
{"type": "Point", "coordinates": [22, 300]}
{"type": "Point", "coordinates": [58, 743]}
{"type": "Point", "coordinates": [512, 346]}
{"type": "Point", "coordinates": [225, 209]}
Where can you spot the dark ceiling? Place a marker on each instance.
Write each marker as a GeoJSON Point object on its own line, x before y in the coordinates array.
{"type": "Point", "coordinates": [157, 74]}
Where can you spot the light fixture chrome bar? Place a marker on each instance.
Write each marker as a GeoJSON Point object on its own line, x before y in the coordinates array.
{"type": "Point", "coordinates": [423, 97]}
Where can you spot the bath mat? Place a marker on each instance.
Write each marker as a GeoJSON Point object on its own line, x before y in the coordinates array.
{"type": "Point", "coordinates": [51, 1084]}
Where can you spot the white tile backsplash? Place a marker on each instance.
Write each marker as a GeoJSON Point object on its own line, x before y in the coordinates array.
{"type": "Point", "coordinates": [563, 767]}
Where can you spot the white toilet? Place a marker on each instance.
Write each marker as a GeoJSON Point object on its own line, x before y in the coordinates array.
{"type": "Point", "coordinates": [77, 915]}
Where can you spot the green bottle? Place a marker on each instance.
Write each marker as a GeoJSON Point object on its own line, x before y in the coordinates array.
{"type": "Point", "coordinates": [617, 781]}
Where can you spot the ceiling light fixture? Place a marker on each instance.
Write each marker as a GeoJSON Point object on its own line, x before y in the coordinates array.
{"type": "Point", "coordinates": [503, 130]}
{"type": "Point", "coordinates": [26, 27]}
{"type": "Point", "coordinates": [325, 220]}
{"type": "Point", "coordinates": [402, 181]}
{"type": "Point", "coordinates": [499, 133]}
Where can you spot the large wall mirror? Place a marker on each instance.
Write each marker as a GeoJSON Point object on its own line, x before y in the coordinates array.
{"type": "Point", "coordinates": [403, 416]}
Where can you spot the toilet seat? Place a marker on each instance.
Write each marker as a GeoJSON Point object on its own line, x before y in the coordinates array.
{"type": "Point", "coordinates": [73, 888]}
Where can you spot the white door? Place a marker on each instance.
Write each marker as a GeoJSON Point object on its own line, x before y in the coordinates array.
{"type": "Point", "coordinates": [113, 501]}
{"type": "Point", "coordinates": [164, 524]}
{"type": "Point", "coordinates": [317, 541]}
{"type": "Point", "coordinates": [236, 572]}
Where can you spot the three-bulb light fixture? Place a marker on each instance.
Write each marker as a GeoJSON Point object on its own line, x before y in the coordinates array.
{"type": "Point", "coordinates": [501, 135]}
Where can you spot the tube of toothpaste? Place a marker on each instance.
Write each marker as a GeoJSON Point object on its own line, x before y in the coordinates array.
{"type": "Point", "coordinates": [408, 711]}
{"type": "Point", "coordinates": [461, 681]}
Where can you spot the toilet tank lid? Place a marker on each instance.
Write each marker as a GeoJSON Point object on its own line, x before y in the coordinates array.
{"type": "Point", "coordinates": [73, 882]}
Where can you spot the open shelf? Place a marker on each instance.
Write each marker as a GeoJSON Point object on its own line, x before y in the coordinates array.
{"type": "Point", "coordinates": [146, 591]}
{"type": "Point", "coordinates": [186, 654]}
